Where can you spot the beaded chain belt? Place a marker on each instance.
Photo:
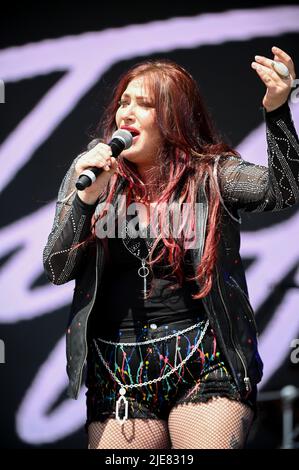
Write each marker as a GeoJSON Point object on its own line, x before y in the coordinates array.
{"type": "Point", "coordinates": [124, 387]}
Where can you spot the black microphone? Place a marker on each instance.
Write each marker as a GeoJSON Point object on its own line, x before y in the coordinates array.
{"type": "Point", "coordinates": [121, 140]}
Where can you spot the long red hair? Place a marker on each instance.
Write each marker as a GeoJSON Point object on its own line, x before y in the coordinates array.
{"type": "Point", "coordinates": [185, 161]}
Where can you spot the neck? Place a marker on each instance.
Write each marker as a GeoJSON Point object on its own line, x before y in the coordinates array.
{"type": "Point", "coordinates": [145, 173]}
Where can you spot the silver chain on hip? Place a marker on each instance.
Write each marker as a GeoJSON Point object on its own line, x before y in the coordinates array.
{"type": "Point", "coordinates": [150, 341]}
{"type": "Point", "coordinates": [125, 387]}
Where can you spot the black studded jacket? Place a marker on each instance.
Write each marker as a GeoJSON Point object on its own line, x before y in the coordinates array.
{"type": "Point", "coordinates": [243, 186]}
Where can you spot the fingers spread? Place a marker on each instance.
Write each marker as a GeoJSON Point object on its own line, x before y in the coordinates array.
{"type": "Point", "coordinates": [280, 56]}
{"type": "Point", "coordinates": [268, 64]}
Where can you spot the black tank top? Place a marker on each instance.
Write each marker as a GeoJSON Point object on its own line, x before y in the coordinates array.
{"type": "Point", "coordinates": [120, 301]}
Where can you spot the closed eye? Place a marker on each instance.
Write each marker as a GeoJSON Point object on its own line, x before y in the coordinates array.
{"type": "Point", "coordinates": [122, 103]}
{"type": "Point", "coordinates": [147, 104]}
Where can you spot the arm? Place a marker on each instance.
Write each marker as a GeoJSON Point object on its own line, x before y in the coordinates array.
{"type": "Point", "coordinates": [71, 225]}
{"type": "Point", "coordinates": [74, 211]}
{"type": "Point", "coordinates": [256, 188]}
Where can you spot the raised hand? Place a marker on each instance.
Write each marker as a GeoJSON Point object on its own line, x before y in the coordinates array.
{"type": "Point", "coordinates": [278, 86]}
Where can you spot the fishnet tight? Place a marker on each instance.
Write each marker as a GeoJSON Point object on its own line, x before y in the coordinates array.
{"type": "Point", "coordinates": [220, 423]}
{"type": "Point", "coordinates": [132, 434]}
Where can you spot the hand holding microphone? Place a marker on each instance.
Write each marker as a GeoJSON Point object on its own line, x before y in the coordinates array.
{"type": "Point", "coordinates": [96, 167]}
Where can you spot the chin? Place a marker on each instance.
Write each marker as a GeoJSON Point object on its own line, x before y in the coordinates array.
{"type": "Point", "coordinates": [132, 156]}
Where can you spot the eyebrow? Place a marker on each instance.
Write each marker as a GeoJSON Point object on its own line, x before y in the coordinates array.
{"type": "Point", "coordinates": [126, 95]}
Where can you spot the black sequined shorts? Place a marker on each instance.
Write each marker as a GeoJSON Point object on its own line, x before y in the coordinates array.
{"type": "Point", "coordinates": [203, 376]}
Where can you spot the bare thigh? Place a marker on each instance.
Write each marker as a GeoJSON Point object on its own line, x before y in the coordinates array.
{"type": "Point", "coordinates": [132, 434]}
{"type": "Point", "coordinates": [220, 423]}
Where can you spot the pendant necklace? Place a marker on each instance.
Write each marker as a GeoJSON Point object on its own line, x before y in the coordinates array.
{"type": "Point", "coordinates": [139, 249]}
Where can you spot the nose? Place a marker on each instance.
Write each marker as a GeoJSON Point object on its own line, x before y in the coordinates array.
{"type": "Point", "coordinates": [128, 113]}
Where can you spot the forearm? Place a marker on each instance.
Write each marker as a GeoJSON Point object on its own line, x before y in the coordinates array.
{"type": "Point", "coordinates": [257, 188]}
{"type": "Point", "coordinates": [283, 157]}
{"type": "Point", "coordinates": [60, 260]}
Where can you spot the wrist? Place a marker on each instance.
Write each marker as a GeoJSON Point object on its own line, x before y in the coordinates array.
{"type": "Point", "coordinates": [282, 109]}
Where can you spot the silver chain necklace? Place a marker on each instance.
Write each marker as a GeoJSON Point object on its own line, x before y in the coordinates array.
{"type": "Point", "coordinates": [124, 387]}
{"type": "Point", "coordinates": [134, 246]}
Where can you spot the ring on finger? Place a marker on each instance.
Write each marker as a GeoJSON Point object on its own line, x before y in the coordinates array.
{"type": "Point", "coordinates": [280, 69]}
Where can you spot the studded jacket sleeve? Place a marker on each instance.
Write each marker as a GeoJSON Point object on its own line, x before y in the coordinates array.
{"type": "Point", "coordinates": [256, 188]}
{"type": "Point", "coordinates": [72, 222]}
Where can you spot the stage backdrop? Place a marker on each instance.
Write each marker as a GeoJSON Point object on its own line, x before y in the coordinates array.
{"type": "Point", "coordinates": [58, 65]}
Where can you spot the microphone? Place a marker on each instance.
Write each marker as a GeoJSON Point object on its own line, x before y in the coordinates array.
{"type": "Point", "coordinates": [121, 140]}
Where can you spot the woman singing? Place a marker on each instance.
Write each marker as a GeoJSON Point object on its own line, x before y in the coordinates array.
{"type": "Point", "coordinates": [160, 314]}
